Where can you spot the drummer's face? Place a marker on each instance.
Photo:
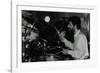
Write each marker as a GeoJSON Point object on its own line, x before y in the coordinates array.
{"type": "Point", "coordinates": [70, 26]}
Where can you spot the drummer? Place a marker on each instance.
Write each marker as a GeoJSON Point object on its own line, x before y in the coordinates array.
{"type": "Point", "coordinates": [79, 49]}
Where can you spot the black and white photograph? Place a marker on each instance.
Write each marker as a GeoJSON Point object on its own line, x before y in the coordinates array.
{"type": "Point", "coordinates": [54, 36]}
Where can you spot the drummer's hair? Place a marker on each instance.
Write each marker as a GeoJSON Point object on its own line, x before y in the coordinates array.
{"type": "Point", "coordinates": [75, 21]}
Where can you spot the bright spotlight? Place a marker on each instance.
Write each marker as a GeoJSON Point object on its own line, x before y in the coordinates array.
{"type": "Point", "coordinates": [47, 19]}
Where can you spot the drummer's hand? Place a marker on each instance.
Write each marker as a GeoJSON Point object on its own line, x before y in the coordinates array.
{"type": "Point", "coordinates": [62, 36]}
{"type": "Point", "coordinates": [65, 51]}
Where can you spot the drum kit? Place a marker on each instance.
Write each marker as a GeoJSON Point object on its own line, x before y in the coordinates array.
{"type": "Point", "coordinates": [49, 52]}
{"type": "Point", "coordinates": [52, 52]}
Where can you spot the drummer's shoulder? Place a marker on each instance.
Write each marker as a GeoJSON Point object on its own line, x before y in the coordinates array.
{"type": "Point", "coordinates": [82, 36]}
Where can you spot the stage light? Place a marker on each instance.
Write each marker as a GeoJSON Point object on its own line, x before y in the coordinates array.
{"type": "Point", "coordinates": [47, 19]}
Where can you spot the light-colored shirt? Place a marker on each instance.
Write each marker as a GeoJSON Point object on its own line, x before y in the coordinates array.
{"type": "Point", "coordinates": [79, 47]}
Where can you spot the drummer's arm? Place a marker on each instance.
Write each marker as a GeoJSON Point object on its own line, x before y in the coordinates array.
{"type": "Point", "coordinates": [68, 43]}
{"type": "Point", "coordinates": [65, 41]}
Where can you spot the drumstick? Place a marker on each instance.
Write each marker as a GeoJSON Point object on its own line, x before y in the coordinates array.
{"type": "Point", "coordinates": [58, 32]}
